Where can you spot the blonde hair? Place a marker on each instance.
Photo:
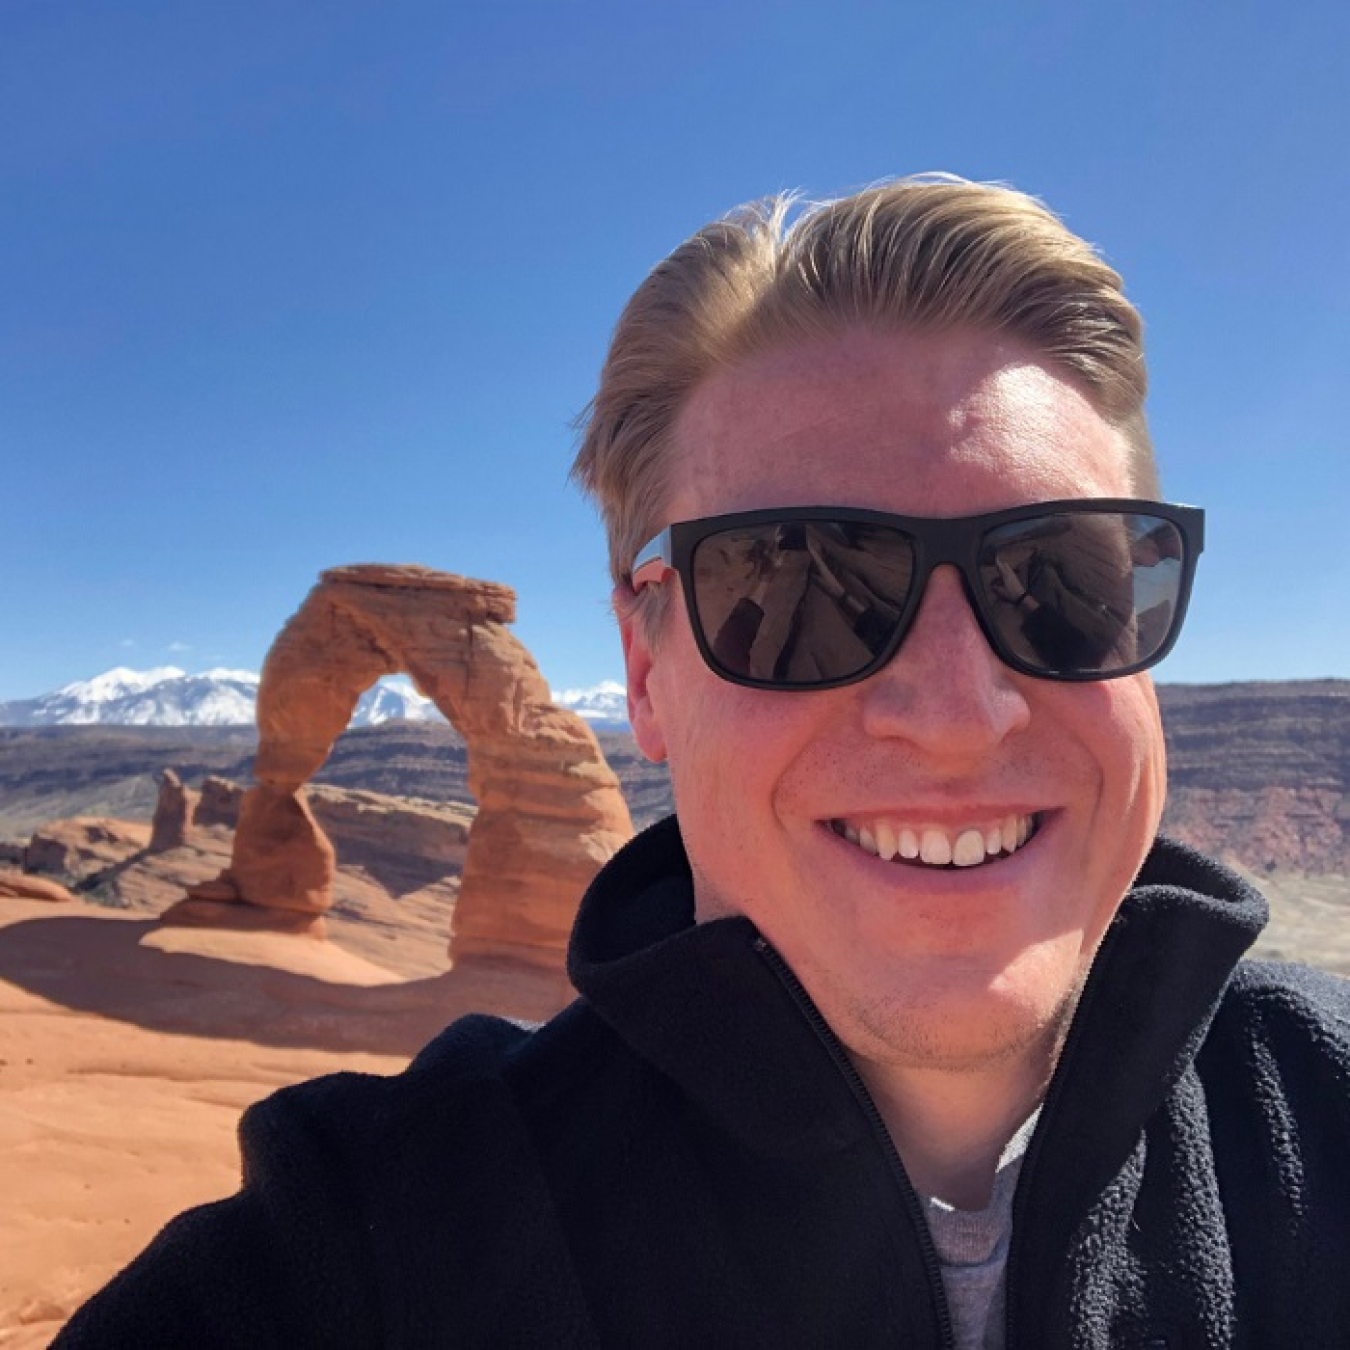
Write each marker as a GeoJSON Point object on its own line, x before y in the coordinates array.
{"type": "Point", "coordinates": [930, 252]}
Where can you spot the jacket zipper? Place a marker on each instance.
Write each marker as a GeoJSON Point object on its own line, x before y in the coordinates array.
{"type": "Point", "coordinates": [1032, 1157]}
{"type": "Point", "coordinates": [853, 1078]}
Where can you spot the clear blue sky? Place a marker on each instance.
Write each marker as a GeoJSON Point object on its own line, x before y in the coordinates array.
{"type": "Point", "coordinates": [289, 285]}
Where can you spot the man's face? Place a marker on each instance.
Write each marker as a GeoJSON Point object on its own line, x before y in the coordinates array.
{"type": "Point", "coordinates": [911, 963]}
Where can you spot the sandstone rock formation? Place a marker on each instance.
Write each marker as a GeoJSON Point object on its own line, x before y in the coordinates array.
{"type": "Point", "coordinates": [1302, 829]}
{"type": "Point", "coordinates": [1259, 773]}
{"type": "Point", "coordinates": [402, 842]}
{"type": "Point", "coordinates": [173, 813]}
{"type": "Point", "coordinates": [218, 802]}
{"type": "Point", "coordinates": [84, 845]}
{"type": "Point", "coordinates": [282, 859]}
{"type": "Point", "coordinates": [549, 809]}
{"type": "Point", "coordinates": [19, 885]}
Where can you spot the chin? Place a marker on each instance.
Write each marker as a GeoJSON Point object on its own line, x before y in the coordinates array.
{"type": "Point", "coordinates": [965, 1016]}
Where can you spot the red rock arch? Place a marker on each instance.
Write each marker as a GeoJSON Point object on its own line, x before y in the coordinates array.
{"type": "Point", "coordinates": [550, 811]}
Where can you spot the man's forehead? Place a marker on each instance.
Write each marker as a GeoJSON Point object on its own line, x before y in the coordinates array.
{"type": "Point", "coordinates": [830, 421]}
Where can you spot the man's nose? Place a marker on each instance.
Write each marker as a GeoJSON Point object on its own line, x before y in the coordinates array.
{"type": "Point", "coordinates": [945, 690]}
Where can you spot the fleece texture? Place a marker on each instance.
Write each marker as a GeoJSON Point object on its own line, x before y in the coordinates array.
{"type": "Point", "coordinates": [684, 1157]}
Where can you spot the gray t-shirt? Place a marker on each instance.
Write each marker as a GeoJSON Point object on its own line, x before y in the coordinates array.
{"type": "Point", "coordinates": [972, 1245]}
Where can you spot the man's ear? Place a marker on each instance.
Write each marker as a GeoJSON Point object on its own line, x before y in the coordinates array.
{"type": "Point", "coordinates": [638, 660]}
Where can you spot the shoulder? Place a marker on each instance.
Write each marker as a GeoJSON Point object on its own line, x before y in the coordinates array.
{"type": "Point", "coordinates": [1276, 1074]}
{"type": "Point", "coordinates": [434, 1179]}
{"type": "Point", "coordinates": [332, 1146]}
{"type": "Point", "coordinates": [1286, 1028]}
{"type": "Point", "coordinates": [1284, 994]}
{"type": "Point", "coordinates": [459, 1084]}
{"type": "Point", "coordinates": [373, 1209]}
{"type": "Point", "coordinates": [479, 1089]}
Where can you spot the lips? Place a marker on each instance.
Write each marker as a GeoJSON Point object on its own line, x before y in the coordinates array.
{"type": "Point", "coordinates": [972, 845]}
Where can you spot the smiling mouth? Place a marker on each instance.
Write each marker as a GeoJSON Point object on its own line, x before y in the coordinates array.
{"type": "Point", "coordinates": [935, 845]}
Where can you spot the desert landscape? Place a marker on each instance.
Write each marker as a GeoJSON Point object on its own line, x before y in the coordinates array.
{"type": "Point", "coordinates": [132, 1044]}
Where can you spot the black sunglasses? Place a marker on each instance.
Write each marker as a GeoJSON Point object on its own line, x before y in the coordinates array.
{"type": "Point", "coordinates": [820, 596]}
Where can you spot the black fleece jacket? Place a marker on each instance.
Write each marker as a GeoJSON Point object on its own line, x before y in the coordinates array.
{"type": "Point", "coordinates": [684, 1157]}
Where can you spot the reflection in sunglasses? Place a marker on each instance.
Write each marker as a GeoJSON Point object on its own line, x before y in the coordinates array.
{"type": "Point", "coordinates": [814, 598]}
{"type": "Point", "coordinates": [1077, 606]}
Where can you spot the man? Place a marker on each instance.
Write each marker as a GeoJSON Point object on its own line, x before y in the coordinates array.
{"type": "Point", "coordinates": [908, 1033]}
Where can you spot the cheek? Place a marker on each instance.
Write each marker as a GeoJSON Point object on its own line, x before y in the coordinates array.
{"type": "Point", "coordinates": [1136, 729]}
{"type": "Point", "coordinates": [707, 751]}
{"type": "Point", "coordinates": [725, 759]}
{"type": "Point", "coordinates": [722, 803]}
{"type": "Point", "coordinates": [1117, 730]}
{"type": "Point", "coordinates": [1127, 743]}
{"type": "Point", "coordinates": [730, 752]}
{"type": "Point", "coordinates": [727, 745]}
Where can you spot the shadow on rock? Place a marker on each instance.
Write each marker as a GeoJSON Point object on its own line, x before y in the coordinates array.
{"type": "Point", "coordinates": [110, 968]}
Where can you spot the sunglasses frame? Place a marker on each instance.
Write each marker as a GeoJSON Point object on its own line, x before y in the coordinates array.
{"type": "Point", "coordinates": [938, 541]}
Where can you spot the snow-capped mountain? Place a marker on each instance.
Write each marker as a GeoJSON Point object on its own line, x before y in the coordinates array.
{"type": "Point", "coordinates": [603, 705]}
{"type": "Point", "coordinates": [163, 697]}
{"type": "Point", "coordinates": [169, 697]}
{"type": "Point", "coordinates": [392, 700]}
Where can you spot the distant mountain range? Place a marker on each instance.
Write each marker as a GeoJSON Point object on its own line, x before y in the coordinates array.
{"type": "Point", "coordinates": [170, 697]}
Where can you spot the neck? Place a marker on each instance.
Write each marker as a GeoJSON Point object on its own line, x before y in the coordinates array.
{"type": "Point", "coordinates": [950, 1125]}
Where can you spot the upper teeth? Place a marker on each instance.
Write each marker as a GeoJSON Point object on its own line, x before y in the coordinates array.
{"type": "Point", "coordinates": [935, 845]}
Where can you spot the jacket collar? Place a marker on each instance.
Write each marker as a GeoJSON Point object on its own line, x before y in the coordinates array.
{"type": "Point", "coordinates": [1155, 985]}
{"type": "Point", "coordinates": [704, 1004]}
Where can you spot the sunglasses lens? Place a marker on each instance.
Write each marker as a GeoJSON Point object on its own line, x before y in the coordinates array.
{"type": "Point", "coordinates": [801, 603]}
{"type": "Point", "coordinates": [1083, 594]}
